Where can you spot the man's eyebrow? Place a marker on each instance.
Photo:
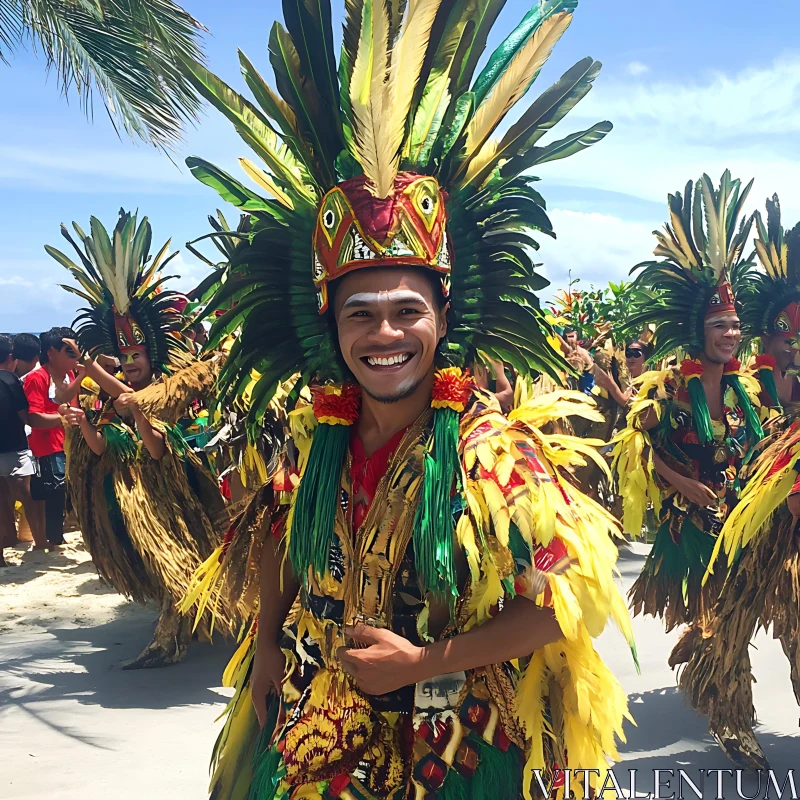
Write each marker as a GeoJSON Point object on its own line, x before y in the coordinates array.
{"type": "Point", "coordinates": [364, 299]}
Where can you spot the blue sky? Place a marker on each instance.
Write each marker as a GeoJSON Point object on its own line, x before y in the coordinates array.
{"type": "Point", "coordinates": [690, 87]}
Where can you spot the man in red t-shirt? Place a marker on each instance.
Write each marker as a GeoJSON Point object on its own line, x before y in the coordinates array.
{"type": "Point", "coordinates": [44, 388]}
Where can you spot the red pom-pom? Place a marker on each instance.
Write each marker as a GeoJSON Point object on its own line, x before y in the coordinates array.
{"type": "Point", "coordinates": [337, 405]}
{"type": "Point", "coordinates": [765, 362]}
{"type": "Point", "coordinates": [732, 367]}
{"type": "Point", "coordinates": [451, 388]}
{"type": "Point", "coordinates": [690, 368]}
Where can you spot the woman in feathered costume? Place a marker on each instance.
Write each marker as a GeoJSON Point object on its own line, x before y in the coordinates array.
{"type": "Point", "coordinates": [426, 580]}
{"type": "Point", "coordinates": [759, 538]}
{"type": "Point", "coordinates": [149, 511]}
{"type": "Point", "coordinates": [690, 427]}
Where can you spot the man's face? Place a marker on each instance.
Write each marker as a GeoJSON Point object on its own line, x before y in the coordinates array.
{"type": "Point", "coordinates": [782, 348]}
{"type": "Point", "coordinates": [634, 359]}
{"type": "Point", "coordinates": [136, 366]}
{"type": "Point", "coordinates": [63, 360]}
{"type": "Point", "coordinates": [722, 336]}
{"type": "Point", "coordinates": [24, 367]}
{"type": "Point", "coordinates": [572, 339]}
{"type": "Point", "coordinates": [389, 325]}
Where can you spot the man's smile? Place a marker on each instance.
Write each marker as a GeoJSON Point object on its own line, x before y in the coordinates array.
{"type": "Point", "coordinates": [387, 363]}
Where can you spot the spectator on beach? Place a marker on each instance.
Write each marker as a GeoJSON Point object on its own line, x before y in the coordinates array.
{"type": "Point", "coordinates": [26, 353]}
{"type": "Point", "coordinates": [16, 459]}
{"type": "Point", "coordinates": [45, 389]}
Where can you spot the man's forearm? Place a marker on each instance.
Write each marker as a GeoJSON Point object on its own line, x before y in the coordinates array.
{"type": "Point", "coordinates": [517, 631]}
{"type": "Point", "coordinates": [39, 419]}
{"type": "Point", "coordinates": [108, 383]}
{"type": "Point", "coordinates": [274, 601]}
{"type": "Point", "coordinates": [153, 439]}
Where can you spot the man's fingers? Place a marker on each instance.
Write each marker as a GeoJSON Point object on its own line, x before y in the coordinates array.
{"type": "Point", "coordinates": [364, 634]}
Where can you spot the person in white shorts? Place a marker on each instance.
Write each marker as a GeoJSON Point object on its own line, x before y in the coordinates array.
{"type": "Point", "coordinates": [17, 463]}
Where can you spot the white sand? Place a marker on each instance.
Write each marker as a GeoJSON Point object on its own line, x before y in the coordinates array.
{"type": "Point", "coordinates": [73, 726]}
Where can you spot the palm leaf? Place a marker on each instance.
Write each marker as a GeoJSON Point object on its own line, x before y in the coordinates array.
{"type": "Point", "coordinates": [124, 51]}
{"type": "Point", "coordinates": [304, 99]}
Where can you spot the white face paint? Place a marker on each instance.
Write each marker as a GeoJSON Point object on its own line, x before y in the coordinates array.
{"type": "Point", "coordinates": [389, 325]}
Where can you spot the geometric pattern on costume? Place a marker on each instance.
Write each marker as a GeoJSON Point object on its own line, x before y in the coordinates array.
{"type": "Point", "coordinates": [486, 723]}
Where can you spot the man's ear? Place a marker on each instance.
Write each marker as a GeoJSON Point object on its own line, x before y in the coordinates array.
{"type": "Point", "coordinates": [443, 320]}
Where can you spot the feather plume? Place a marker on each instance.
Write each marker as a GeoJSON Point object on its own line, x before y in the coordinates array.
{"type": "Point", "coordinates": [407, 60]}
{"type": "Point", "coordinates": [370, 95]}
{"type": "Point", "coordinates": [516, 80]}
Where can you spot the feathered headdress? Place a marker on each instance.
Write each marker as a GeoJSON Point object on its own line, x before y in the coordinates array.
{"type": "Point", "coordinates": [702, 251]}
{"type": "Point", "coordinates": [771, 299]}
{"type": "Point", "coordinates": [128, 307]}
{"type": "Point", "coordinates": [392, 157]}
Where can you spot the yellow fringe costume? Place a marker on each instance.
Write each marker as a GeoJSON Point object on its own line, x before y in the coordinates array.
{"type": "Point", "coordinates": [524, 528]}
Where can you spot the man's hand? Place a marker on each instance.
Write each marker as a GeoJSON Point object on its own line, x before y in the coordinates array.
{"type": "Point", "coordinates": [72, 416]}
{"type": "Point", "coordinates": [269, 666]}
{"type": "Point", "coordinates": [73, 345]}
{"type": "Point", "coordinates": [384, 661]}
{"type": "Point", "coordinates": [697, 492]}
{"type": "Point", "coordinates": [127, 401]}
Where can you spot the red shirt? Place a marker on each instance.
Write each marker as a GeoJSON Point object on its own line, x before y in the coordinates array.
{"type": "Point", "coordinates": [367, 471]}
{"type": "Point", "coordinates": [40, 391]}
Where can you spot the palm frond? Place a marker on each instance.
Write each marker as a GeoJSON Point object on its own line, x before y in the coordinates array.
{"type": "Point", "coordinates": [127, 52]}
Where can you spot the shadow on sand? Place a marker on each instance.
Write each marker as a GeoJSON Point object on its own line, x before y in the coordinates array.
{"type": "Point", "coordinates": [85, 664]}
{"type": "Point", "coordinates": [670, 735]}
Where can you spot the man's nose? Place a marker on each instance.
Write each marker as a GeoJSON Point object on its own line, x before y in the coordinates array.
{"type": "Point", "coordinates": [385, 333]}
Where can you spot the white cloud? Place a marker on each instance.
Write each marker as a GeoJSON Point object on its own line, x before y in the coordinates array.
{"type": "Point", "coordinates": [596, 248]}
{"type": "Point", "coordinates": [637, 68]}
{"type": "Point", "coordinates": [668, 132]}
{"type": "Point", "coordinates": [78, 170]}
{"type": "Point", "coordinates": [15, 280]}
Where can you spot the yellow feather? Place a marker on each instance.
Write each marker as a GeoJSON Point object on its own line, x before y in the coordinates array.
{"type": "Point", "coordinates": [465, 533]}
{"type": "Point", "coordinates": [407, 59]}
{"type": "Point", "coordinates": [514, 83]}
{"type": "Point", "coordinates": [370, 100]}
{"type": "Point", "coordinates": [265, 181]}
{"type": "Point", "coordinates": [501, 518]}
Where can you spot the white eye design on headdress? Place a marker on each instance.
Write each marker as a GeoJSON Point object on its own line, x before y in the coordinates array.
{"type": "Point", "coordinates": [329, 219]}
{"type": "Point", "coordinates": [426, 204]}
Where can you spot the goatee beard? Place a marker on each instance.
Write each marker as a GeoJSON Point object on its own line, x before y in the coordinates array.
{"type": "Point", "coordinates": [401, 394]}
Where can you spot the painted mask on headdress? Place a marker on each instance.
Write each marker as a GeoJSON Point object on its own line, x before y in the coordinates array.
{"type": "Point", "coordinates": [722, 301]}
{"type": "Point", "coordinates": [788, 321]}
{"type": "Point", "coordinates": [129, 336]}
{"type": "Point", "coordinates": [355, 229]}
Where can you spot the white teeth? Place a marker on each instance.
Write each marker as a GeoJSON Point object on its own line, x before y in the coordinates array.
{"type": "Point", "coordinates": [388, 362]}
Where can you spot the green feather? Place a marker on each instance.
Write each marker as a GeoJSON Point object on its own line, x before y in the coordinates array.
{"type": "Point", "coordinates": [543, 114]}
{"type": "Point", "coordinates": [305, 101]}
{"type": "Point", "coordinates": [501, 58]}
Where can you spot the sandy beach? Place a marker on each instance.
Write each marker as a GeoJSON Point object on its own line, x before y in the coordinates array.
{"type": "Point", "coordinates": [74, 726]}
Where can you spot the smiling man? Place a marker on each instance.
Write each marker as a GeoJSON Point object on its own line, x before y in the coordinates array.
{"type": "Point", "coordinates": [763, 548]}
{"type": "Point", "coordinates": [690, 428]}
{"type": "Point", "coordinates": [416, 569]}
